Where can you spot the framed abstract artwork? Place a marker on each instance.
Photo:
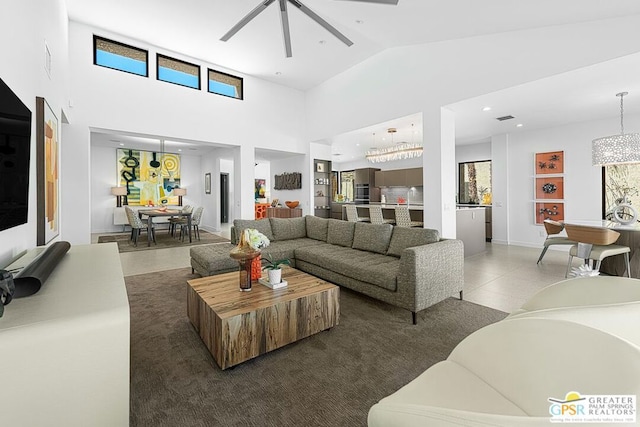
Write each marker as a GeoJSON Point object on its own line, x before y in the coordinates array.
{"type": "Point", "coordinates": [207, 183]}
{"type": "Point", "coordinates": [549, 163]}
{"type": "Point", "coordinates": [548, 192]}
{"type": "Point", "coordinates": [550, 210]}
{"type": "Point", "coordinates": [149, 176]}
{"type": "Point", "coordinates": [551, 187]}
{"type": "Point", "coordinates": [47, 159]}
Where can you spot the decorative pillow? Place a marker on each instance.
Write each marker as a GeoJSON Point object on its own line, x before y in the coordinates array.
{"type": "Point", "coordinates": [317, 227]}
{"type": "Point", "coordinates": [288, 228]}
{"type": "Point", "coordinates": [372, 237]}
{"type": "Point", "coordinates": [340, 232]}
{"type": "Point", "coordinates": [403, 238]}
{"type": "Point", "coordinates": [262, 225]}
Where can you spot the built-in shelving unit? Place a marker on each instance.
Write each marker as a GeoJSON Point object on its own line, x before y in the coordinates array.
{"type": "Point", "coordinates": [322, 188]}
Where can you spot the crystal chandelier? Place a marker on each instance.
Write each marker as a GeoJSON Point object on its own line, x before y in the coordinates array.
{"type": "Point", "coordinates": [616, 149]}
{"type": "Point", "coordinates": [400, 151]}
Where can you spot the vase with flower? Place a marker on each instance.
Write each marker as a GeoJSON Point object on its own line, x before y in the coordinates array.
{"type": "Point", "coordinates": [249, 248]}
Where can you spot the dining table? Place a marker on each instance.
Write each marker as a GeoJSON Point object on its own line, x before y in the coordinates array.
{"type": "Point", "coordinates": [154, 213]}
{"type": "Point", "coordinates": [629, 236]}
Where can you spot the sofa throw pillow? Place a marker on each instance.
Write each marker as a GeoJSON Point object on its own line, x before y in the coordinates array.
{"type": "Point", "coordinates": [288, 228]}
{"type": "Point", "coordinates": [262, 225]}
{"type": "Point", "coordinates": [317, 227]}
{"type": "Point", "coordinates": [372, 237]}
{"type": "Point", "coordinates": [340, 232]}
{"type": "Point", "coordinates": [403, 238]}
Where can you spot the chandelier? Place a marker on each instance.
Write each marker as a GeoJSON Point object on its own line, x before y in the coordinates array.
{"type": "Point", "coordinates": [616, 149]}
{"type": "Point", "coordinates": [401, 151]}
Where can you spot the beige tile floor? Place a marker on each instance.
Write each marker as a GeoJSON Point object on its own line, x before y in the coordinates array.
{"type": "Point", "coordinates": [503, 277]}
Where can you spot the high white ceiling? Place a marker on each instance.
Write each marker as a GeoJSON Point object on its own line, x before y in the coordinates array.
{"type": "Point", "coordinates": [194, 27]}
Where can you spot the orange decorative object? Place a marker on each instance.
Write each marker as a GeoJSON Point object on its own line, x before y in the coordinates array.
{"type": "Point", "coordinates": [261, 210]}
{"type": "Point", "coordinates": [256, 268]}
{"type": "Point", "coordinates": [292, 204]}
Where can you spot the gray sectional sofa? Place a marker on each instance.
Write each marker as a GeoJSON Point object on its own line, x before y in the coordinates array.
{"type": "Point", "coordinates": [409, 268]}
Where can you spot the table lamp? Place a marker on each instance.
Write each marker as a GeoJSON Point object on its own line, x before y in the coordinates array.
{"type": "Point", "coordinates": [119, 192]}
{"type": "Point", "coordinates": [179, 192]}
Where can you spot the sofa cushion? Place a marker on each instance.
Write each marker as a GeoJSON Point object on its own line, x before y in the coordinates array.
{"type": "Point", "coordinates": [403, 238]}
{"type": "Point", "coordinates": [285, 249]}
{"type": "Point", "coordinates": [379, 270]}
{"type": "Point", "coordinates": [317, 227]}
{"type": "Point", "coordinates": [288, 228]}
{"type": "Point", "coordinates": [372, 237]}
{"type": "Point", "coordinates": [340, 232]}
{"type": "Point", "coordinates": [262, 225]}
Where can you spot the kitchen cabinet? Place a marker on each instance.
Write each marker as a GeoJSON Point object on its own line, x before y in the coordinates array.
{"type": "Point", "coordinates": [396, 178]}
{"type": "Point", "coordinates": [322, 188]}
{"type": "Point", "coordinates": [414, 177]}
{"type": "Point", "coordinates": [365, 176]}
{"type": "Point", "coordinates": [399, 178]}
{"type": "Point", "coordinates": [379, 179]}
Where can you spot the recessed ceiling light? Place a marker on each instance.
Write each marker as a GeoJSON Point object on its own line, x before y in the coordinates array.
{"type": "Point", "coordinates": [384, 139]}
{"type": "Point", "coordinates": [486, 109]}
{"type": "Point", "coordinates": [357, 145]}
{"type": "Point", "coordinates": [278, 73]}
{"type": "Point", "coordinates": [179, 149]}
{"type": "Point", "coordinates": [519, 125]}
{"type": "Point", "coordinates": [121, 144]}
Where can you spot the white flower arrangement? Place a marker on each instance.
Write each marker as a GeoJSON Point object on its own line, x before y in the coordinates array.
{"type": "Point", "coordinates": [584, 271]}
{"type": "Point", "coordinates": [255, 239]}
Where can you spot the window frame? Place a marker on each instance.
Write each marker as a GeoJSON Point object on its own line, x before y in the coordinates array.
{"type": "Point", "coordinates": [241, 97]}
{"type": "Point", "coordinates": [95, 55]}
{"type": "Point", "coordinates": [158, 55]}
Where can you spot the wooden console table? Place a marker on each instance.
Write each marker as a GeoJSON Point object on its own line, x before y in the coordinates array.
{"type": "Point", "coordinates": [284, 213]}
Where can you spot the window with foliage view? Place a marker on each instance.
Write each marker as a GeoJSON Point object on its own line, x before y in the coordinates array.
{"type": "Point", "coordinates": [225, 84]}
{"type": "Point", "coordinates": [474, 183]}
{"type": "Point", "coordinates": [618, 182]}
{"type": "Point", "coordinates": [178, 72]}
{"type": "Point", "coordinates": [119, 56]}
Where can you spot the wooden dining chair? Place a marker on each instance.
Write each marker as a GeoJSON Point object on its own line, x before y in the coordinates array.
{"type": "Point", "coordinates": [595, 244]}
{"type": "Point", "coordinates": [553, 229]}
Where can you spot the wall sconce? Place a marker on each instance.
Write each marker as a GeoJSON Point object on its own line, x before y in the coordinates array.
{"type": "Point", "coordinates": [119, 192]}
{"type": "Point", "coordinates": [179, 192]}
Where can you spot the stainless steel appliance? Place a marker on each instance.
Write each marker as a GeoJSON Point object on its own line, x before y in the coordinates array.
{"type": "Point", "coordinates": [362, 195]}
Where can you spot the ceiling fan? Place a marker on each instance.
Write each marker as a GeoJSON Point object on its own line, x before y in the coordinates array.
{"type": "Point", "coordinates": [284, 18]}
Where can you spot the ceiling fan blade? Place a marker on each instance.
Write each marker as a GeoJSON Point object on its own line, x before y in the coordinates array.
{"type": "Point", "coordinates": [393, 2]}
{"type": "Point", "coordinates": [311, 14]}
{"type": "Point", "coordinates": [284, 18]}
{"type": "Point", "coordinates": [244, 21]}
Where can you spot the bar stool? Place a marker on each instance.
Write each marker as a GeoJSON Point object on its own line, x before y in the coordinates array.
{"type": "Point", "coordinates": [403, 218]}
{"type": "Point", "coordinates": [352, 214]}
{"type": "Point", "coordinates": [595, 243]}
{"type": "Point", "coordinates": [553, 228]}
{"type": "Point", "coordinates": [375, 212]}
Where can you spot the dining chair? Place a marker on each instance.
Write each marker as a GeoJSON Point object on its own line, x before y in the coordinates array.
{"type": "Point", "coordinates": [403, 218]}
{"type": "Point", "coordinates": [195, 224]}
{"type": "Point", "coordinates": [352, 214]}
{"type": "Point", "coordinates": [375, 213]}
{"type": "Point", "coordinates": [553, 228]}
{"type": "Point", "coordinates": [138, 225]}
{"type": "Point", "coordinates": [174, 221]}
{"type": "Point", "coordinates": [595, 244]}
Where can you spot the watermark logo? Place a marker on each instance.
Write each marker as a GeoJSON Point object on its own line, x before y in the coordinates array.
{"type": "Point", "coordinates": [605, 408]}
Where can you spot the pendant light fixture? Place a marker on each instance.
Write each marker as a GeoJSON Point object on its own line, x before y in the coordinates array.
{"type": "Point", "coordinates": [399, 151]}
{"type": "Point", "coordinates": [617, 149]}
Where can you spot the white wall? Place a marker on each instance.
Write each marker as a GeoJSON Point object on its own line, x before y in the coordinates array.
{"type": "Point", "coordinates": [24, 28]}
{"type": "Point", "coordinates": [422, 78]}
{"type": "Point", "coordinates": [582, 181]}
{"type": "Point", "coordinates": [108, 99]}
{"type": "Point", "coordinates": [473, 152]}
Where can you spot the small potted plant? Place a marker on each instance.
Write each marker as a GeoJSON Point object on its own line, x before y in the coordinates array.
{"type": "Point", "coordinates": [274, 269]}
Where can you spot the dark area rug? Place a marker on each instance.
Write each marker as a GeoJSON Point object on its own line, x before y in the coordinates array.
{"type": "Point", "coordinates": [329, 379]}
{"type": "Point", "coordinates": [163, 240]}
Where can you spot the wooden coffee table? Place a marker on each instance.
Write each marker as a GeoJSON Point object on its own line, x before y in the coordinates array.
{"type": "Point", "coordinates": [237, 326]}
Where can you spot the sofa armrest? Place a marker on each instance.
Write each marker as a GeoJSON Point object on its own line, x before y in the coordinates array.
{"type": "Point", "coordinates": [431, 273]}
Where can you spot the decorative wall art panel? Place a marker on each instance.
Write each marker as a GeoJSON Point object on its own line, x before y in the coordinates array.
{"type": "Point", "coordinates": [550, 188]}
{"type": "Point", "coordinates": [550, 210]}
{"type": "Point", "coordinates": [48, 152]}
{"type": "Point", "coordinates": [150, 176]}
{"type": "Point", "coordinates": [549, 163]}
{"type": "Point", "coordinates": [260, 188]}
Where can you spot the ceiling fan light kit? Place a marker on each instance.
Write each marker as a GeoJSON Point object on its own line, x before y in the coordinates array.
{"type": "Point", "coordinates": [284, 19]}
{"type": "Point", "coordinates": [616, 149]}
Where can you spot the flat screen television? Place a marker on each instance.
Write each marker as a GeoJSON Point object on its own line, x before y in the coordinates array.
{"type": "Point", "coordinates": [15, 148]}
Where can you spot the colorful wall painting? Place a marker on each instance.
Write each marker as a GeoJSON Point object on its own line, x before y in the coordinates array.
{"type": "Point", "coordinates": [149, 176]}
{"type": "Point", "coordinates": [48, 155]}
{"type": "Point", "coordinates": [261, 188]}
